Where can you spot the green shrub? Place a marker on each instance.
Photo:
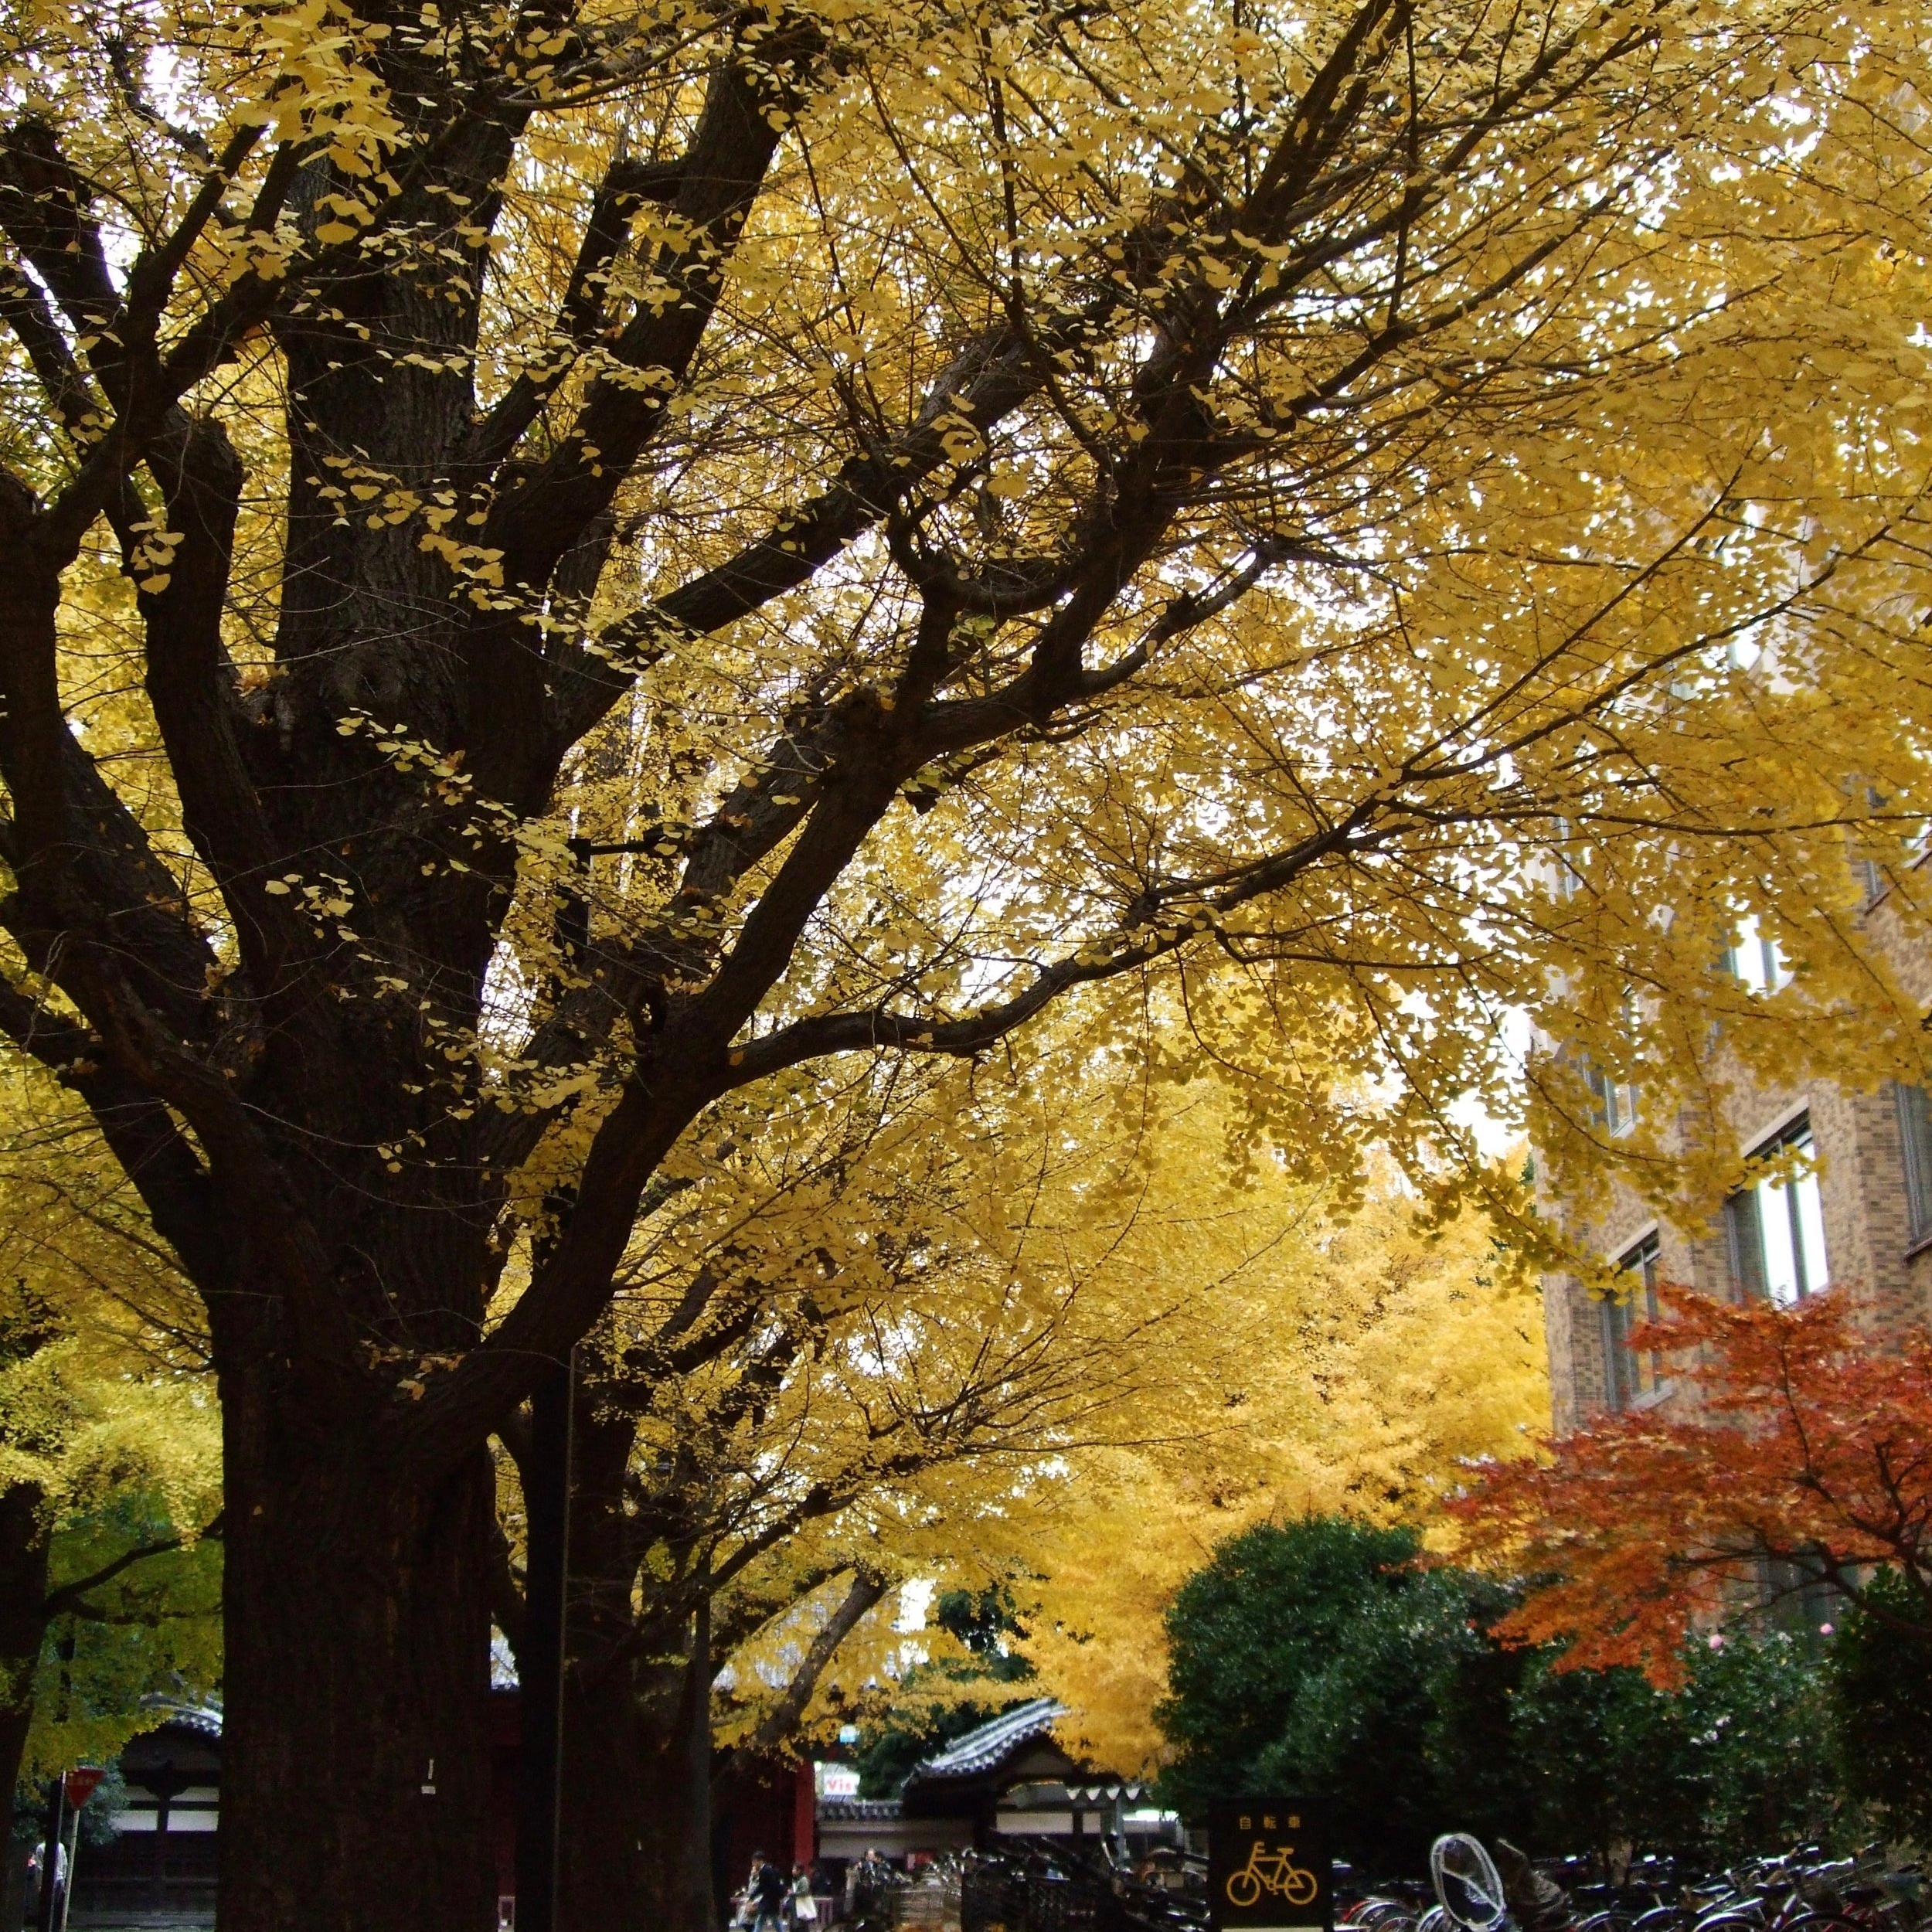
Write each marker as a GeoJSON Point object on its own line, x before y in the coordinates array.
{"type": "Point", "coordinates": [1315, 1657]}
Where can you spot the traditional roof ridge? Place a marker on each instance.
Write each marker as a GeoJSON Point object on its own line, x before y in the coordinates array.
{"type": "Point", "coordinates": [205, 1718]}
{"type": "Point", "coordinates": [858, 1811]}
{"type": "Point", "coordinates": [981, 1749]}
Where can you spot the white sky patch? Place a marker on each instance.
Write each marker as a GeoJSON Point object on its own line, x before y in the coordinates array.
{"type": "Point", "coordinates": [915, 1599]}
{"type": "Point", "coordinates": [1496, 1137]}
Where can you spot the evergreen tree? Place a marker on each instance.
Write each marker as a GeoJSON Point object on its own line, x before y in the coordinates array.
{"type": "Point", "coordinates": [982, 1623]}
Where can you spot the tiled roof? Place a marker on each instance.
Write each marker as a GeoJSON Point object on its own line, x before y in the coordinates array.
{"type": "Point", "coordinates": [982, 1749]}
{"type": "Point", "coordinates": [858, 1811]}
{"type": "Point", "coordinates": [203, 1718]}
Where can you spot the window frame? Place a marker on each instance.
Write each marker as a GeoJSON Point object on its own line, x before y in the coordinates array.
{"type": "Point", "coordinates": [1613, 1103]}
{"type": "Point", "coordinates": [1914, 1109]}
{"type": "Point", "coordinates": [1625, 1386]}
{"type": "Point", "coordinates": [1768, 972]}
{"type": "Point", "coordinates": [1744, 1229]}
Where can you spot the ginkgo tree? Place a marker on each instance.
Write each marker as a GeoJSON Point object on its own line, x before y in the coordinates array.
{"type": "Point", "coordinates": [839, 1345]}
{"type": "Point", "coordinates": [1355, 1369]}
{"type": "Point", "coordinates": [1349, 509]}
{"type": "Point", "coordinates": [109, 1449]}
{"type": "Point", "coordinates": [874, 1336]}
{"type": "Point", "coordinates": [913, 1327]}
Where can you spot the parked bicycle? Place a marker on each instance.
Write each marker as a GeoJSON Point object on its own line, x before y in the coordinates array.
{"type": "Point", "coordinates": [1798, 1891]}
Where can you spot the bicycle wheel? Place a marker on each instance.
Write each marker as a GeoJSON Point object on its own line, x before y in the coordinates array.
{"type": "Point", "coordinates": [1468, 1886]}
{"type": "Point", "coordinates": [1660, 1918]}
{"type": "Point", "coordinates": [1243, 1890]}
{"type": "Point", "coordinates": [1730, 1921]}
{"type": "Point", "coordinates": [1378, 1913]}
{"type": "Point", "coordinates": [1299, 1886]}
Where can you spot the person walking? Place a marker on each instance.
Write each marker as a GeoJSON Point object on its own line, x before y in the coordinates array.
{"type": "Point", "coordinates": [768, 1892]}
{"type": "Point", "coordinates": [867, 1892]}
{"type": "Point", "coordinates": [36, 1867]}
{"type": "Point", "coordinates": [801, 1908]}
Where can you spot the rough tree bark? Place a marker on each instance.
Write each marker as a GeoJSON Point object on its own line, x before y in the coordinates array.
{"type": "Point", "coordinates": [643, 1780]}
{"type": "Point", "coordinates": [266, 1034]}
{"type": "Point", "coordinates": [357, 1567]}
{"type": "Point", "coordinates": [356, 1736]}
{"type": "Point", "coordinates": [23, 1617]}
{"type": "Point", "coordinates": [636, 1835]}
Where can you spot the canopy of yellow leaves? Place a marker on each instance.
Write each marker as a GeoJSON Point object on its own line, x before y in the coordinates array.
{"type": "Point", "coordinates": [1064, 1329]}
{"type": "Point", "coordinates": [1371, 1362]}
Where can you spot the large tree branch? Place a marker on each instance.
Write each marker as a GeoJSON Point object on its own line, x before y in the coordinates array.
{"type": "Point", "coordinates": [44, 210]}
{"type": "Point", "coordinates": [75, 407]}
{"type": "Point", "coordinates": [776, 1726]}
{"type": "Point", "coordinates": [145, 1138]}
{"type": "Point", "coordinates": [69, 1596]}
{"type": "Point", "coordinates": [540, 513]}
{"type": "Point", "coordinates": [988, 381]}
{"type": "Point", "coordinates": [1164, 919]}
{"type": "Point", "coordinates": [880, 751]}
{"type": "Point", "coordinates": [1015, 362]}
{"type": "Point", "coordinates": [572, 1284]}
{"type": "Point", "coordinates": [627, 184]}
{"type": "Point", "coordinates": [87, 873]}
{"type": "Point", "coordinates": [190, 681]}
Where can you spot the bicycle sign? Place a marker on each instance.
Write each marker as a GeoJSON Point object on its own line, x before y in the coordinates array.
{"type": "Point", "coordinates": [1271, 1872]}
{"type": "Point", "coordinates": [1268, 1867]}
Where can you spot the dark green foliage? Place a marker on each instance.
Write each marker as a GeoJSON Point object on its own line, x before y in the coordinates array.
{"type": "Point", "coordinates": [1313, 1657]}
{"type": "Point", "coordinates": [1248, 1633]}
{"type": "Point", "coordinates": [1471, 1746]}
{"type": "Point", "coordinates": [982, 1622]}
{"type": "Point", "coordinates": [1758, 1712]}
{"type": "Point", "coordinates": [1598, 1757]}
{"type": "Point", "coordinates": [1376, 1699]}
{"type": "Point", "coordinates": [1882, 1694]}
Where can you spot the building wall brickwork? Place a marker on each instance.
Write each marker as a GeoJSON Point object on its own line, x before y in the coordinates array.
{"type": "Point", "coordinates": [1863, 1196]}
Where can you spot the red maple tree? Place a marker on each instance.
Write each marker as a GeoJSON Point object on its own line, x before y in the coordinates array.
{"type": "Point", "coordinates": [1797, 1438]}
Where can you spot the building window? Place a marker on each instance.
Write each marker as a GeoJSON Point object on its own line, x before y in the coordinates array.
{"type": "Point", "coordinates": [1776, 1228]}
{"type": "Point", "coordinates": [1915, 1145]}
{"type": "Point", "coordinates": [1754, 958]}
{"type": "Point", "coordinates": [1630, 1373]}
{"type": "Point", "coordinates": [1613, 1103]}
{"type": "Point", "coordinates": [1911, 846]}
{"type": "Point", "coordinates": [1569, 881]}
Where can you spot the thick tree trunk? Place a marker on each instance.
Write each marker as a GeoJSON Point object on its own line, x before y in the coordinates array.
{"type": "Point", "coordinates": [23, 1623]}
{"type": "Point", "coordinates": [356, 1771]}
{"type": "Point", "coordinates": [637, 1803]}
{"type": "Point", "coordinates": [635, 1845]}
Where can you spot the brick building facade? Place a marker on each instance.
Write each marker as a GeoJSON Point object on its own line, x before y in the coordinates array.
{"type": "Point", "coordinates": [1862, 1222]}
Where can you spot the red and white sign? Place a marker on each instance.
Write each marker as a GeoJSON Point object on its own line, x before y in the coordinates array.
{"type": "Point", "coordinates": [82, 1782]}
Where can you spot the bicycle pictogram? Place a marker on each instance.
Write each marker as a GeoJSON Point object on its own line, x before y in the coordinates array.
{"type": "Point", "coordinates": [1271, 1871]}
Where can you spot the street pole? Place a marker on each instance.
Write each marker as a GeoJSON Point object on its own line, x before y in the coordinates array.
{"type": "Point", "coordinates": [73, 1870]}
{"type": "Point", "coordinates": [546, 1507]}
{"type": "Point", "coordinates": [546, 1515]}
{"type": "Point", "coordinates": [50, 1852]}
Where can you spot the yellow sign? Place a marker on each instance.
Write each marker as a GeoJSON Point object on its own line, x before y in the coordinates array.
{"type": "Point", "coordinates": [1269, 1866]}
{"type": "Point", "coordinates": [1271, 1871]}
